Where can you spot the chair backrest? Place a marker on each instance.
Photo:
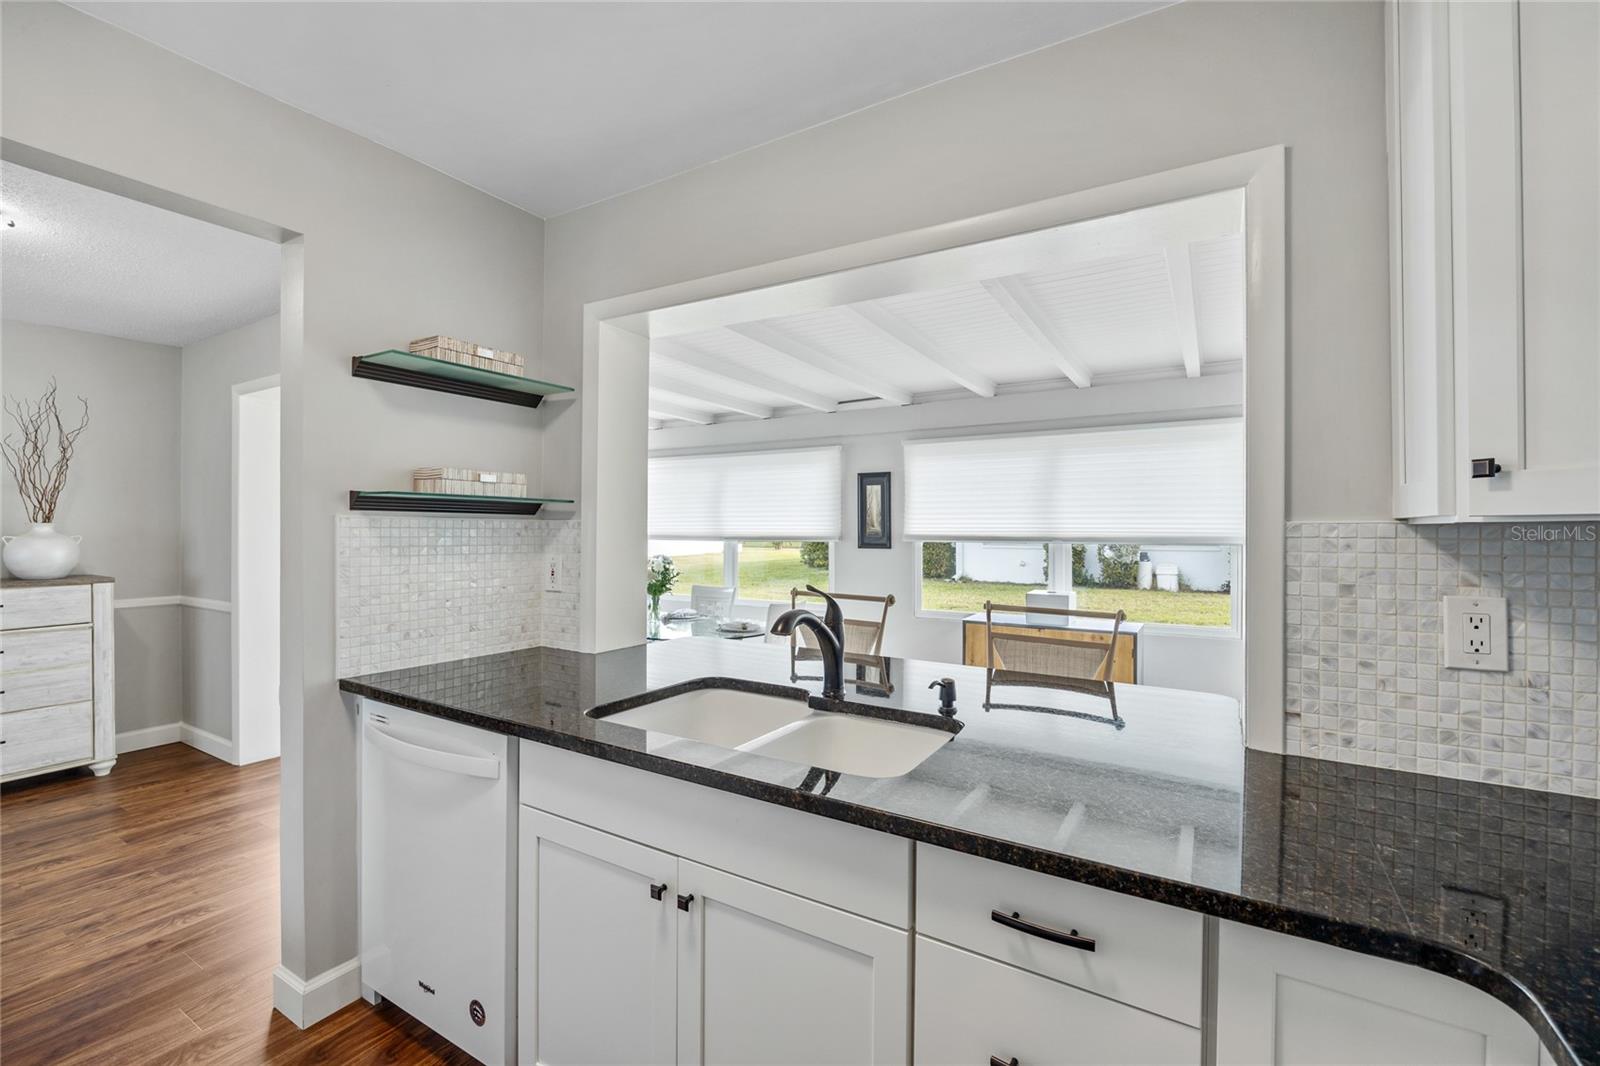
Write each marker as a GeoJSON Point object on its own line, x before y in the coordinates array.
{"type": "Point", "coordinates": [773, 611]}
{"type": "Point", "coordinates": [713, 601]}
{"type": "Point", "coordinates": [1062, 662]}
{"type": "Point", "coordinates": [863, 636]}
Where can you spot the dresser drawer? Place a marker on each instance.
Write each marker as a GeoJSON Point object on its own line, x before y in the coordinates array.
{"type": "Point", "coordinates": [1146, 954]}
{"type": "Point", "coordinates": [971, 1010]}
{"type": "Point", "coordinates": [57, 605]}
{"type": "Point", "coordinates": [46, 667]}
{"type": "Point", "coordinates": [46, 736]}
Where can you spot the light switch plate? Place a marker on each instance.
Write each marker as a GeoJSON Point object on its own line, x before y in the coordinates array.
{"type": "Point", "coordinates": [552, 574]}
{"type": "Point", "coordinates": [1476, 633]}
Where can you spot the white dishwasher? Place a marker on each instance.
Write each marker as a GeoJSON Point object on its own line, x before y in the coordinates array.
{"type": "Point", "coordinates": [438, 863]}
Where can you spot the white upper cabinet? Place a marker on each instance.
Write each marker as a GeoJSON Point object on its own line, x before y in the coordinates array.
{"type": "Point", "coordinates": [1494, 126]}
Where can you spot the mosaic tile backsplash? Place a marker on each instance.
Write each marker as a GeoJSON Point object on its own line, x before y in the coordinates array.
{"type": "Point", "coordinates": [415, 590]}
{"type": "Point", "coordinates": [1365, 682]}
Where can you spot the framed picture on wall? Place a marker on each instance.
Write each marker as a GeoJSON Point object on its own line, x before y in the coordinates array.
{"type": "Point", "coordinates": [872, 510]}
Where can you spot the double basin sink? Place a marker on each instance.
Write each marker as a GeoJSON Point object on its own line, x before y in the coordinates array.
{"type": "Point", "coordinates": [783, 728]}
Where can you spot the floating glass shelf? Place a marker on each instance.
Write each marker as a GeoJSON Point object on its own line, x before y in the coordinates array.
{"type": "Point", "coordinates": [449, 503]}
{"type": "Point", "coordinates": [425, 372]}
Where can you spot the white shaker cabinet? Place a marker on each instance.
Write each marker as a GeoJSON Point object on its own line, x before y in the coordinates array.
{"type": "Point", "coordinates": [1282, 1000]}
{"type": "Point", "coordinates": [1494, 124]}
{"type": "Point", "coordinates": [767, 977]}
{"type": "Point", "coordinates": [633, 955]}
{"type": "Point", "coordinates": [598, 935]}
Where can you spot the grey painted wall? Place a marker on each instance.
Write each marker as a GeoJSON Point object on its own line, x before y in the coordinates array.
{"type": "Point", "coordinates": [1188, 83]}
{"type": "Point", "coordinates": [121, 494]}
{"type": "Point", "coordinates": [210, 370]}
{"type": "Point", "coordinates": [391, 250]}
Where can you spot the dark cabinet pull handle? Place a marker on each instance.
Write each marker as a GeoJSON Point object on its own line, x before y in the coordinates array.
{"type": "Point", "coordinates": [684, 901]}
{"type": "Point", "coordinates": [657, 891]}
{"type": "Point", "coordinates": [1485, 467]}
{"type": "Point", "coordinates": [996, 1060]}
{"type": "Point", "coordinates": [1043, 932]}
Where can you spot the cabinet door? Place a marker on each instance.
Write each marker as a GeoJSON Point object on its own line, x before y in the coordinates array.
{"type": "Point", "coordinates": [1284, 1000]}
{"type": "Point", "coordinates": [971, 1010]}
{"type": "Point", "coordinates": [596, 974]}
{"type": "Point", "coordinates": [768, 977]}
{"type": "Point", "coordinates": [1525, 81]}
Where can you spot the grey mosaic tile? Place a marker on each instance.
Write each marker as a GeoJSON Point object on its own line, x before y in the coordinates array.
{"type": "Point", "coordinates": [422, 589]}
{"type": "Point", "coordinates": [1363, 676]}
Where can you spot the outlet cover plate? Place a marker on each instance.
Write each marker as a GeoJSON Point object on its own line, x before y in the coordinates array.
{"type": "Point", "coordinates": [1476, 633]}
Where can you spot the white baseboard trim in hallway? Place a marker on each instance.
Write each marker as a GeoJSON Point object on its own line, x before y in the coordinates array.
{"type": "Point", "coordinates": [208, 742]}
{"type": "Point", "coordinates": [153, 737]}
{"type": "Point", "coordinates": [308, 1002]}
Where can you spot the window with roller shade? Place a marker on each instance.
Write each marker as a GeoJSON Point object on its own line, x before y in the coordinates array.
{"type": "Point", "coordinates": [1174, 492]}
{"type": "Point", "coordinates": [747, 518]}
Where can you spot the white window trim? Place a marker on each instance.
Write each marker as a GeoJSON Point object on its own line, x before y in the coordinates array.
{"type": "Point", "coordinates": [612, 505]}
{"type": "Point", "coordinates": [1232, 631]}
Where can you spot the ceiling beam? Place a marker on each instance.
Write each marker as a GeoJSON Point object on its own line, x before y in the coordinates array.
{"type": "Point", "coordinates": [681, 353]}
{"type": "Point", "coordinates": [1014, 298]}
{"type": "Point", "coordinates": [674, 389]}
{"type": "Point", "coordinates": [911, 340]}
{"type": "Point", "coordinates": [814, 358]}
{"type": "Point", "coordinates": [1180, 273]}
{"type": "Point", "coordinates": [657, 408]}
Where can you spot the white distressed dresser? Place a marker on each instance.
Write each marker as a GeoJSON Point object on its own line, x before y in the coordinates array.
{"type": "Point", "coordinates": [57, 675]}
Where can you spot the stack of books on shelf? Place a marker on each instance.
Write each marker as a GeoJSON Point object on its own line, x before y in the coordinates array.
{"type": "Point", "coordinates": [459, 481]}
{"type": "Point", "coordinates": [466, 353]}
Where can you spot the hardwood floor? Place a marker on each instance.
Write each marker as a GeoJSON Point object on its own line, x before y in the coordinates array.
{"type": "Point", "coordinates": [139, 924]}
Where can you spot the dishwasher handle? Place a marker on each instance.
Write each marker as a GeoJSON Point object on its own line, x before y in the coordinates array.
{"type": "Point", "coordinates": [449, 761]}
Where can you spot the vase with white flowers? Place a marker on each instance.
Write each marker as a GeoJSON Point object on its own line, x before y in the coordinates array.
{"type": "Point", "coordinates": [38, 463]}
{"type": "Point", "coordinates": [659, 578]}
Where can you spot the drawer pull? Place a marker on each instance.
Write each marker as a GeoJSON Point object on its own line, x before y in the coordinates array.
{"type": "Point", "coordinates": [658, 891]}
{"type": "Point", "coordinates": [1043, 932]}
{"type": "Point", "coordinates": [684, 901]}
{"type": "Point", "coordinates": [996, 1060]}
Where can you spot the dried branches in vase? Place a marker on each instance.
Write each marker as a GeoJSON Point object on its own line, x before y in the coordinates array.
{"type": "Point", "coordinates": [39, 462]}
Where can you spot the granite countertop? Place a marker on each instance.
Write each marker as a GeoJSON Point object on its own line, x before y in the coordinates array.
{"type": "Point", "coordinates": [1044, 621]}
{"type": "Point", "coordinates": [9, 582]}
{"type": "Point", "coordinates": [1160, 801]}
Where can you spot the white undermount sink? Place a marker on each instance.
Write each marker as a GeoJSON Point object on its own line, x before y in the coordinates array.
{"type": "Point", "coordinates": [781, 728]}
{"type": "Point", "coordinates": [714, 715]}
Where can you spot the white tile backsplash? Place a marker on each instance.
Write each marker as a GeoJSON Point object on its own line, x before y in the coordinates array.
{"type": "Point", "coordinates": [418, 589]}
{"type": "Point", "coordinates": [1364, 680]}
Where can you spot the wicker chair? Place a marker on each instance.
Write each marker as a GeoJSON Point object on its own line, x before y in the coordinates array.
{"type": "Point", "coordinates": [1050, 662]}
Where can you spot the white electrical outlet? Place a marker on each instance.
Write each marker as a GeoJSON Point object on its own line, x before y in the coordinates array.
{"type": "Point", "coordinates": [552, 574]}
{"type": "Point", "coordinates": [1476, 636]}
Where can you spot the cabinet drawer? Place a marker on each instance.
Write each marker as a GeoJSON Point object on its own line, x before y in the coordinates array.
{"type": "Point", "coordinates": [46, 736]}
{"type": "Point", "coordinates": [46, 667]}
{"type": "Point", "coordinates": [971, 1010]}
{"type": "Point", "coordinates": [1146, 954]}
{"type": "Point", "coordinates": [61, 605]}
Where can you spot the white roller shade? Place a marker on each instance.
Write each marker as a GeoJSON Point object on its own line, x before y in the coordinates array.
{"type": "Point", "coordinates": [1181, 482]}
{"type": "Point", "coordinates": [785, 495]}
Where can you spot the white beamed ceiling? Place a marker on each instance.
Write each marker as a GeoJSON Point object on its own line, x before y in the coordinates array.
{"type": "Point", "coordinates": [1118, 316]}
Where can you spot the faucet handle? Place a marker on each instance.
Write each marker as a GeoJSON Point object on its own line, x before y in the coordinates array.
{"type": "Point", "coordinates": [833, 615]}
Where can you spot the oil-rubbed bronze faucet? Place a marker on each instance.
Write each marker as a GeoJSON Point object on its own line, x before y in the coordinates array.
{"type": "Point", "coordinates": [829, 631]}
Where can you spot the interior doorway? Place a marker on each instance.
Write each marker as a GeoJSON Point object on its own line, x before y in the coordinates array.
{"type": "Point", "coordinates": [257, 503]}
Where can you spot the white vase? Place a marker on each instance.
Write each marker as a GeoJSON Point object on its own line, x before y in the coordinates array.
{"type": "Point", "coordinates": [40, 553]}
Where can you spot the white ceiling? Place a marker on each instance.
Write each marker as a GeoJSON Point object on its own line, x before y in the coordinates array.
{"type": "Point", "coordinates": [551, 106]}
{"type": "Point", "coordinates": [90, 260]}
{"type": "Point", "coordinates": [1168, 301]}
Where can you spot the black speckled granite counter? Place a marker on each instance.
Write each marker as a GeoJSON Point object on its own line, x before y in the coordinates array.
{"type": "Point", "coordinates": [1161, 802]}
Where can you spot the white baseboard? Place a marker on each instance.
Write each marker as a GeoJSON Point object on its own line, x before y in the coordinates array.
{"type": "Point", "coordinates": [153, 737]}
{"type": "Point", "coordinates": [308, 1002]}
{"type": "Point", "coordinates": [213, 745]}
